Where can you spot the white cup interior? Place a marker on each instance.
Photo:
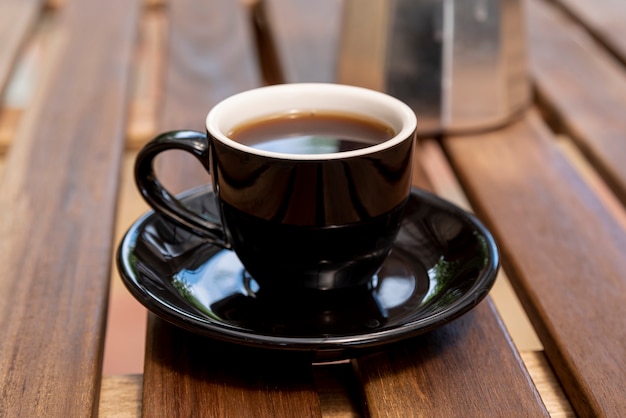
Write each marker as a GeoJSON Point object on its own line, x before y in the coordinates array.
{"type": "Point", "coordinates": [316, 97]}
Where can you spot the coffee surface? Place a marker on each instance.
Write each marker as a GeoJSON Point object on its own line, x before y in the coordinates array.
{"type": "Point", "coordinates": [312, 133]}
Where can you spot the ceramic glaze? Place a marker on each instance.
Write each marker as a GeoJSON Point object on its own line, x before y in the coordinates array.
{"type": "Point", "coordinates": [334, 214]}
{"type": "Point", "coordinates": [442, 263]}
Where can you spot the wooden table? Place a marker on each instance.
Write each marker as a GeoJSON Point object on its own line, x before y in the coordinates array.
{"type": "Point", "coordinates": [85, 83]}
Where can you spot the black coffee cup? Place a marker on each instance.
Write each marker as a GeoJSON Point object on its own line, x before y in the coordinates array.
{"type": "Point", "coordinates": [298, 217]}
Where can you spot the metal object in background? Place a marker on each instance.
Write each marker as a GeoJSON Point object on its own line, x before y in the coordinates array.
{"type": "Point", "coordinates": [461, 64]}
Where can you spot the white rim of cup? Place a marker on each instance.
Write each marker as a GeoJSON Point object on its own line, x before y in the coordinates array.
{"type": "Point", "coordinates": [284, 98]}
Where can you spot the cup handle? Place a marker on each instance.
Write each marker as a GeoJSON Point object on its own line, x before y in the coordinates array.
{"type": "Point", "coordinates": [197, 144]}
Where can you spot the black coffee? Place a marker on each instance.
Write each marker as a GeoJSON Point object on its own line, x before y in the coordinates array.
{"type": "Point", "coordinates": [312, 133]}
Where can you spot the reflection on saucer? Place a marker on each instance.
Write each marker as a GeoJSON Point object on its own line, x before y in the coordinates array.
{"type": "Point", "coordinates": [442, 264]}
{"type": "Point", "coordinates": [221, 289]}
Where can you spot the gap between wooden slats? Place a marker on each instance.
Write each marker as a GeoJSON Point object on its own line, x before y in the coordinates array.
{"type": "Point", "coordinates": [121, 395]}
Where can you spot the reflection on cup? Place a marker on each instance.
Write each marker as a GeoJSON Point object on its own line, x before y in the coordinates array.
{"type": "Point", "coordinates": [311, 180]}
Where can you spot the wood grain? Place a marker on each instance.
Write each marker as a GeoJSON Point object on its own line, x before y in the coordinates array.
{"type": "Point", "coordinates": [305, 34]}
{"type": "Point", "coordinates": [121, 395]}
{"type": "Point", "coordinates": [189, 375]}
{"type": "Point", "coordinates": [57, 199]}
{"type": "Point", "coordinates": [604, 19]}
{"type": "Point", "coordinates": [563, 252]}
{"type": "Point", "coordinates": [468, 368]}
{"type": "Point", "coordinates": [17, 22]}
{"type": "Point", "coordinates": [364, 43]}
{"type": "Point", "coordinates": [446, 185]}
{"type": "Point", "coordinates": [582, 87]}
{"type": "Point", "coordinates": [209, 57]}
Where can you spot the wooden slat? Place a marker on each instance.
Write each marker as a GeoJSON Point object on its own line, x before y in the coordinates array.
{"type": "Point", "coordinates": [308, 39]}
{"type": "Point", "coordinates": [468, 368]}
{"type": "Point", "coordinates": [17, 20]}
{"type": "Point", "coordinates": [604, 19]}
{"type": "Point", "coordinates": [582, 87]}
{"type": "Point", "coordinates": [210, 56]}
{"type": "Point", "coordinates": [194, 376]}
{"type": "Point", "coordinates": [368, 48]}
{"type": "Point", "coordinates": [305, 39]}
{"type": "Point", "coordinates": [57, 199]}
{"type": "Point", "coordinates": [203, 67]}
{"type": "Point", "coordinates": [550, 225]}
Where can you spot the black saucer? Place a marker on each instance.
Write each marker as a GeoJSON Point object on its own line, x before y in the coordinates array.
{"type": "Point", "coordinates": [443, 263]}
